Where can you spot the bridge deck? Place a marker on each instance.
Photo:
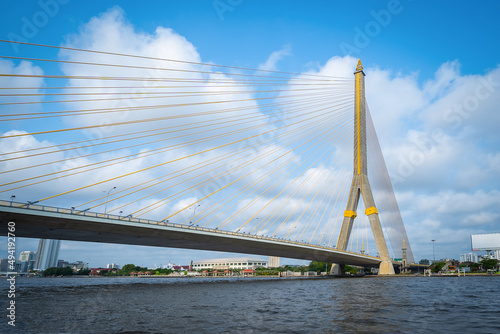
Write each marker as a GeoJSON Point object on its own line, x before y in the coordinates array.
{"type": "Point", "coordinates": [55, 223]}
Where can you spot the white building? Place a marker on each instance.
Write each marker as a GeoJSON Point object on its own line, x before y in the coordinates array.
{"type": "Point", "coordinates": [77, 265]}
{"type": "Point", "coordinates": [46, 256]}
{"type": "Point", "coordinates": [274, 261]}
{"type": "Point", "coordinates": [230, 263]}
{"type": "Point", "coordinates": [469, 257]}
{"type": "Point", "coordinates": [113, 266]}
{"type": "Point", "coordinates": [27, 256]}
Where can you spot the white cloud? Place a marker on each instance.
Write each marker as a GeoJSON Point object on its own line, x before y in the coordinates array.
{"type": "Point", "coordinates": [439, 139]}
{"type": "Point", "coordinates": [165, 98]}
{"type": "Point", "coordinates": [271, 63]}
{"type": "Point", "coordinates": [30, 85]}
{"type": "Point", "coordinates": [480, 218]}
{"type": "Point", "coordinates": [448, 189]}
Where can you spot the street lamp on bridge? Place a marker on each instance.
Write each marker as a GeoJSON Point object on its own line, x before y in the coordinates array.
{"type": "Point", "coordinates": [194, 212]}
{"type": "Point", "coordinates": [106, 206]}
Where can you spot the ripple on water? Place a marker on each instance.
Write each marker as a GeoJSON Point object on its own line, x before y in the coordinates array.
{"type": "Point", "coordinates": [368, 305]}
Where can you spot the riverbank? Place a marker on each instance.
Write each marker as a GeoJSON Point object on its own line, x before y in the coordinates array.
{"type": "Point", "coordinates": [255, 276]}
{"type": "Point", "coordinates": [440, 275]}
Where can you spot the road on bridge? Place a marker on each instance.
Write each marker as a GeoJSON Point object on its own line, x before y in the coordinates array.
{"type": "Point", "coordinates": [45, 222]}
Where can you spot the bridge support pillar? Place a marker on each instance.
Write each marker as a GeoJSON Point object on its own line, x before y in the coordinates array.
{"type": "Point", "coordinates": [360, 184]}
{"type": "Point", "coordinates": [337, 270]}
{"type": "Point", "coordinates": [386, 268]}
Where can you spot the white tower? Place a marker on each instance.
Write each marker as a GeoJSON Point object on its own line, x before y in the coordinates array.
{"type": "Point", "coordinates": [46, 256]}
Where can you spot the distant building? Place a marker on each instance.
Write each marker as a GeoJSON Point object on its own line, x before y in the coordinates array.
{"type": "Point", "coordinates": [230, 263]}
{"type": "Point", "coordinates": [293, 265]}
{"type": "Point", "coordinates": [112, 266]}
{"type": "Point", "coordinates": [62, 264]}
{"type": "Point", "coordinates": [248, 272]}
{"type": "Point", "coordinates": [168, 266]}
{"type": "Point", "coordinates": [27, 256]}
{"type": "Point", "coordinates": [46, 256]}
{"type": "Point", "coordinates": [274, 261]}
{"type": "Point", "coordinates": [77, 265]}
{"type": "Point", "coordinates": [469, 257]}
{"type": "Point", "coordinates": [180, 268]}
{"type": "Point", "coordinates": [26, 262]}
{"type": "Point", "coordinates": [497, 254]}
{"type": "Point", "coordinates": [97, 271]}
{"type": "Point", "coordinates": [23, 266]}
{"type": "Point", "coordinates": [4, 265]}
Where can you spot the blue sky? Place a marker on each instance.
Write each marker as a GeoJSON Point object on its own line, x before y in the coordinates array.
{"type": "Point", "coordinates": [422, 61]}
{"type": "Point", "coordinates": [419, 37]}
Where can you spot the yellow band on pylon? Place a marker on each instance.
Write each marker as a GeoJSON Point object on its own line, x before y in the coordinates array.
{"type": "Point", "coordinates": [371, 211]}
{"type": "Point", "coordinates": [350, 214]}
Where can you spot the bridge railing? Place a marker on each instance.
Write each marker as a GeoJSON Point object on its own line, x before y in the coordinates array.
{"type": "Point", "coordinates": [72, 211]}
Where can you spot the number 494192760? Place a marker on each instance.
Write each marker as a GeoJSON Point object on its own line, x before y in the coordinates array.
{"type": "Point", "coordinates": [11, 245]}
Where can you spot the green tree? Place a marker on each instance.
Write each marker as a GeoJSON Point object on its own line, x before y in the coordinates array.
{"type": "Point", "coordinates": [319, 267]}
{"type": "Point", "coordinates": [49, 271]}
{"type": "Point", "coordinates": [67, 271]}
{"type": "Point", "coordinates": [424, 262]}
{"type": "Point", "coordinates": [489, 264]}
{"type": "Point", "coordinates": [54, 271]}
{"type": "Point", "coordinates": [127, 269]}
{"type": "Point", "coordinates": [436, 267]}
{"type": "Point", "coordinates": [166, 271]}
{"type": "Point", "coordinates": [109, 273]}
{"type": "Point", "coordinates": [83, 271]}
{"type": "Point", "coordinates": [351, 270]}
{"type": "Point", "coordinates": [474, 267]}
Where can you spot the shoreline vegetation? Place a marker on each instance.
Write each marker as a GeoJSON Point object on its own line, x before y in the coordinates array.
{"type": "Point", "coordinates": [267, 276]}
{"type": "Point", "coordinates": [313, 270]}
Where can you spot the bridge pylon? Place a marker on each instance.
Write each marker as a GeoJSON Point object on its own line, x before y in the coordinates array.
{"type": "Point", "coordinates": [360, 184]}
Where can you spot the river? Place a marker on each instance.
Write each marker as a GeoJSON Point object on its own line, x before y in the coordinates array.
{"type": "Point", "coordinates": [254, 305]}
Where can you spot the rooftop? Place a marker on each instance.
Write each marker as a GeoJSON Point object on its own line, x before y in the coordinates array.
{"type": "Point", "coordinates": [229, 259]}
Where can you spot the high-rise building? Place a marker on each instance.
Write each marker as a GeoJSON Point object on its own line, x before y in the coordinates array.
{"type": "Point", "coordinates": [46, 256]}
{"type": "Point", "coordinates": [27, 256]}
{"type": "Point", "coordinates": [4, 265]}
{"type": "Point", "coordinates": [23, 266]}
{"type": "Point", "coordinates": [274, 261]}
{"type": "Point", "coordinates": [469, 257]}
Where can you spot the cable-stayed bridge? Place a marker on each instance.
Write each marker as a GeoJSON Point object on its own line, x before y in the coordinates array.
{"type": "Point", "coordinates": [148, 150]}
{"type": "Point", "coordinates": [57, 223]}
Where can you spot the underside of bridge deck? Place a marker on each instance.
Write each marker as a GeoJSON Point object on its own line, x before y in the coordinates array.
{"type": "Point", "coordinates": [53, 225]}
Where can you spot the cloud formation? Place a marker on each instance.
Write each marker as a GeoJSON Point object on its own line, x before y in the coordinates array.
{"type": "Point", "coordinates": [439, 139]}
{"type": "Point", "coordinates": [438, 136]}
{"type": "Point", "coordinates": [271, 64]}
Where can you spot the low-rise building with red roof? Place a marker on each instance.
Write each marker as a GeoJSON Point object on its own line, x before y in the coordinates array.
{"type": "Point", "coordinates": [248, 272]}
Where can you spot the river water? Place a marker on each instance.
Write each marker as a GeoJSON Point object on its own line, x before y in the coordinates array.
{"type": "Point", "coordinates": [254, 305]}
